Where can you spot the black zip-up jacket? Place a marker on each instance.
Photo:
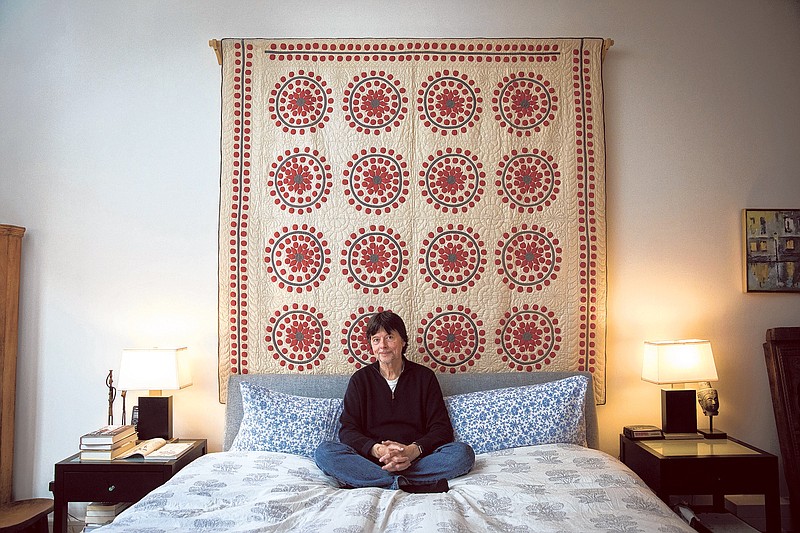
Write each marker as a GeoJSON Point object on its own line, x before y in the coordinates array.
{"type": "Point", "coordinates": [415, 413]}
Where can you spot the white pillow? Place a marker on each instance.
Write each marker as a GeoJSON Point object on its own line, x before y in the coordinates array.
{"type": "Point", "coordinates": [521, 416]}
{"type": "Point", "coordinates": [277, 422]}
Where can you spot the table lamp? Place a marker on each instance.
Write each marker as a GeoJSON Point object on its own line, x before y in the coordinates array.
{"type": "Point", "coordinates": [156, 370]}
{"type": "Point", "coordinates": [678, 362]}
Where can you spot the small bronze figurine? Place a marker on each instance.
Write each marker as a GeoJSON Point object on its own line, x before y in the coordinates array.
{"type": "Point", "coordinates": [112, 394]}
{"type": "Point", "coordinates": [122, 395]}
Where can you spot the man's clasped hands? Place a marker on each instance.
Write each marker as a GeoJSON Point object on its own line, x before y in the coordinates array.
{"type": "Point", "coordinates": [395, 456]}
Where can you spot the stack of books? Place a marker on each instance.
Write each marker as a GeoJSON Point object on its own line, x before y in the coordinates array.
{"type": "Point", "coordinates": [101, 513]}
{"type": "Point", "coordinates": [107, 442]}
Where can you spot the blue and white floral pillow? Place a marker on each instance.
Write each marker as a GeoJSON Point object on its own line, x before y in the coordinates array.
{"type": "Point", "coordinates": [277, 422]}
{"type": "Point", "coordinates": [521, 416]}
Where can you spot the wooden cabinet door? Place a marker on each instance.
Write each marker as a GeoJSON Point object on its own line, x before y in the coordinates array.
{"type": "Point", "coordinates": [10, 251]}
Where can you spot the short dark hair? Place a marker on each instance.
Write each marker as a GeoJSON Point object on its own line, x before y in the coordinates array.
{"type": "Point", "coordinates": [388, 322]}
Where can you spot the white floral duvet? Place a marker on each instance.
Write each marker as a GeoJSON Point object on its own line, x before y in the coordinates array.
{"type": "Point", "coordinates": [551, 487]}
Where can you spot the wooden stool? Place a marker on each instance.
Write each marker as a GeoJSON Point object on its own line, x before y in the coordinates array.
{"type": "Point", "coordinates": [25, 515]}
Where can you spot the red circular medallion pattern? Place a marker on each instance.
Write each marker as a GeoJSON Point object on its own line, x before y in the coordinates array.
{"type": "Point", "coordinates": [357, 349]}
{"type": "Point", "coordinates": [449, 102]}
{"type": "Point", "coordinates": [376, 180]}
{"type": "Point", "coordinates": [451, 339]}
{"type": "Point", "coordinates": [375, 260]}
{"type": "Point", "coordinates": [452, 259]}
{"type": "Point", "coordinates": [528, 338]}
{"type": "Point", "coordinates": [300, 180]}
{"type": "Point", "coordinates": [300, 103]}
{"type": "Point", "coordinates": [528, 259]}
{"type": "Point", "coordinates": [374, 102]}
{"type": "Point", "coordinates": [452, 180]}
{"type": "Point", "coordinates": [298, 337]}
{"type": "Point", "coordinates": [528, 181]}
{"type": "Point", "coordinates": [298, 258]}
{"type": "Point", "coordinates": [524, 103]}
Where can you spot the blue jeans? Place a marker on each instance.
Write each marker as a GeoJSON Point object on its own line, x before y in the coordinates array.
{"type": "Point", "coordinates": [352, 469]}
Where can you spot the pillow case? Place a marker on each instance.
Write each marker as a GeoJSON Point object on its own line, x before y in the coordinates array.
{"type": "Point", "coordinates": [277, 422]}
{"type": "Point", "coordinates": [521, 416]}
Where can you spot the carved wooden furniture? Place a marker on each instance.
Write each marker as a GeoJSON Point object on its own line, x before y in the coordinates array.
{"type": "Point", "coordinates": [26, 514]}
{"type": "Point", "coordinates": [782, 353]}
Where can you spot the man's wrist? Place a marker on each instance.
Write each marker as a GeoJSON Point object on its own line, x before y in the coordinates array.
{"type": "Point", "coordinates": [419, 447]}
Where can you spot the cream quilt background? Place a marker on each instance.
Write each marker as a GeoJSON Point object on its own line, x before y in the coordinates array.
{"type": "Point", "coordinates": [459, 183]}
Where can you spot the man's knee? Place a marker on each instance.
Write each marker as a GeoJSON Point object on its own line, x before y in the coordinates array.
{"type": "Point", "coordinates": [324, 451]}
{"type": "Point", "coordinates": [467, 450]}
{"type": "Point", "coordinates": [462, 450]}
{"type": "Point", "coordinates": [462, 458]}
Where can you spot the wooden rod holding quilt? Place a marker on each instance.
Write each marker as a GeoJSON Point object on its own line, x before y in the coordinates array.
{"type": "Point", "coordinates": [607, 43]}
{"type": "Point", "coordinates": [216, 44]}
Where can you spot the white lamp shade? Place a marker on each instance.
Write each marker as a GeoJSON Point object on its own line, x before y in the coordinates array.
{"type": "Point", "coordinates": [680, 361]}
{"type": "Point", "coordinates": [154, 369]}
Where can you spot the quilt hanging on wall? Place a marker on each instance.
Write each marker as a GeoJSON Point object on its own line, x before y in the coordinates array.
{"type": "Point", "coordinates": [459, 183]}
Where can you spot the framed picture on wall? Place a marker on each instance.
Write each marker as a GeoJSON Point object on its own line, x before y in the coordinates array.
{"type": "Point", "coordinates": [771, 250]}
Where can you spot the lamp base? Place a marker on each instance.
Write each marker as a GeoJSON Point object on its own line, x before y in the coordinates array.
{"type": "Point", "coordinates": [678, 411]}
{"type": "Point", "coordinates": [712, 434]}
{"type": "Point", "coordinates": [681, 436]}
{"type": "Point", "coordinates": [155, 417]}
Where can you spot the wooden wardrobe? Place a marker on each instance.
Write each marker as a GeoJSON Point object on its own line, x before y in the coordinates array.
{"type": "Point", "coordinates": [23, 515]}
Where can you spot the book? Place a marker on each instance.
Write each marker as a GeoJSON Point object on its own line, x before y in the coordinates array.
{"type": "Point", "coordinates": [642, 431]}
{"type": "Point", "coordinates": [105, 509]}
{"type": "Point", "coordinates": [143, 448]}
{"type": "Point", "coordinates": [156, 449]}
{"type": "Point", "coordinates": [169, 451]}
{"type": "Point", "coordinates": [130, 438]}
{"type": "Point", "coordinates": [106, 455]}
{"type": "Point", "coordinates": [108, 434]}
{"type": "Point", "coordinates": [101, 513]}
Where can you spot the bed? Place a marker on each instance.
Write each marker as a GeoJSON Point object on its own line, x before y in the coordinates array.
{"type": "Point", "coordinates": [537, 466]}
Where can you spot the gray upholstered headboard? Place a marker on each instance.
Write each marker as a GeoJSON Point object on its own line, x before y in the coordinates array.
{"type": "Point", "coordinates": [334, 386]}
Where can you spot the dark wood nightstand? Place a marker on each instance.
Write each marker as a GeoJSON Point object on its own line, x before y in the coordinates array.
{"type": "Point", "coordinates": [112, 481]}
{"type": "Point", "coordinates": [706, 466]}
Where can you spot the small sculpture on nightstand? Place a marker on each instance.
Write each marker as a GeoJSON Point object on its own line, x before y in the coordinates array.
{"type": "Point", "coordinates": [709, 401]}
{"type": "Point", "coordinates": [112, 394]}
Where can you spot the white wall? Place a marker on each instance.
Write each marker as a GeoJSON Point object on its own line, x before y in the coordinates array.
{"type": "Point", "coordinates": [110, 158]}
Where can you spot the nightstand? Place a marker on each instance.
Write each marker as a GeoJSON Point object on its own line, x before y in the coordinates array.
{"type": "Point", "coordinates": [706, 466]}
{"type": "Point", "coordinates": [112, 481]}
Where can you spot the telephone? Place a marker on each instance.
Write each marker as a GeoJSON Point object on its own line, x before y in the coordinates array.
{"type": "Point", "coordinates": [135, 416]}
